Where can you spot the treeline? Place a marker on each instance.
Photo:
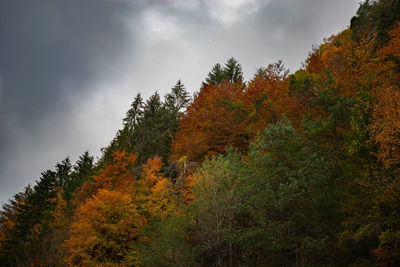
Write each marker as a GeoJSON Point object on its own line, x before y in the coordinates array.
{"type": "Point", "coordinates": [297, 169]}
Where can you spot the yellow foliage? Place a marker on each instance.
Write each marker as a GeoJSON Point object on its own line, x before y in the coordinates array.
{"type": "Point", "coordinates": [154, 192]}
{"type": "Point", "coordinates": [105, 231]}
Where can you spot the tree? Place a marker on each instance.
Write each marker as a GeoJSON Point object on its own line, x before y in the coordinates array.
{"type": "Point", "coordinates": [8, 220]}
{"type": "Point", "coordinates": [150, 126]}
{"type": "Point", "coordinates": [133, 114]}
{"type": "Point", "coordinates": [213, 209]}
{"type": "Point", "coordinates": [170, 244]}
{"type": "Point", "coordinates": [375, 17]}
{"type": "Point", "coordinates": [232, 72]}
{"type": "Point", "coordinates": [154, 191]}
{"type": "Point", "coordinates": [267, 98]}
{"type": "Point", "coordinates": [284, 190]}
{"type": "Point", "coordinates": [83, 169]}
{"type": "Point", "coordinates": [215, 120]}
{"type": "Point", "coordinates": [216, 75]}
{"type": "Point", "coordinates": [118, 173]}
{"type": "Point", "coordinates": [177, 99]}
{"type": "Point", "coordinates": [32, 220]}
{"type": "Point", "coordinates": [105, 231]}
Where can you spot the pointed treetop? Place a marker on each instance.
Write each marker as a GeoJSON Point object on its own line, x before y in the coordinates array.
{"type": "Point", "coordinates": [216, 75]}
{"type": "Point", "coordinates": [134, 112]}
{"type": "Point", "coordinates": [178, 98]}
{"type": "Point", "coordinates": [232, 72]}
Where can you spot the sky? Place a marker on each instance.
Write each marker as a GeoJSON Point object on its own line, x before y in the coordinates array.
{"type": "Point", "coordinates": [69, 69]}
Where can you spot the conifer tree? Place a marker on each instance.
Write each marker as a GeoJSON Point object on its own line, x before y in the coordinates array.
{"type": "Point", "coordinates": [231, 72]}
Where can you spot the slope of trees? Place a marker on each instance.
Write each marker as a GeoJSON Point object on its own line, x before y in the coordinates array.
{"type": "Point", "coordinates": [285, 169]}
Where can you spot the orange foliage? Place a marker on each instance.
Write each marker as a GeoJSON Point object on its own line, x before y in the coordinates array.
{"type": "Point", "coordinates": [108, 224]}
{"type": "Point", "coordinates": [390, 55]}
{"type": "Point", "coordinates": [189, 181]}
{"type": "Point", "coordinates": [212, 122]}
{"type": "Point", "coordinates": [151, 171]}
{"type": "Point", "coordinates": [114, 175]}
{"type": "Point", "coordinates": [386, 126]}
{"type": "Point", "coordinates": [313, 62]}
{"type": "Point", "coordinates": [154, 191]}
{"type": "Point", "coordinates": [267, 98]}
{"type": "Point", "coordinates": [229, 115]}
{"type": "Point", "coordinates": [105, 230]}
{"type": "Point", "coordinates": [86, 190]}
{"type": "Point", "coordinates": [386, 113]}
{"type": "Point", "coordinates": [118, 173]}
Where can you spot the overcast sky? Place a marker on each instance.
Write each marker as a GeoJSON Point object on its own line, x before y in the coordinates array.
{"type": "Point", "coordinates": [69, 69]}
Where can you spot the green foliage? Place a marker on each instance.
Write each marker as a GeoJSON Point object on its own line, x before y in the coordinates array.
{"type": "Point", "coordinates": [232, 72]}
{"type": "Point", "coordinates": [150, 126]}
{"type": "Point", "coordinates": [319, 190]}
{"type": "Point", "coordinates": [287, 194]}
{"type": "Point", "coordinates": [216, 75]}
{"type": "Point", "coordinates": [38, 218]}
{"type": "Point", "coordinates": [302, 84]}
{"type": "Point", "coordinates": [83, 169]}
{"type": "Point", "coordinates": [213, 209]}
{"type": "Point", "coordinates": [170, 244]}
{"type": "Point", "coordinates": [22, 242]}
{"type": "Point", "coordinates": [375, 17]}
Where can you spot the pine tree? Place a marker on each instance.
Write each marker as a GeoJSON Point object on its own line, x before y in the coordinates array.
{"type": "Point", "coordinates": [177, 99]}
{"type": "Point", "coordinates": [134, 113]}
{"type": "Point", "coordinates": [216, 75]}
{"type": "Point", "coordinates": [233, 71]}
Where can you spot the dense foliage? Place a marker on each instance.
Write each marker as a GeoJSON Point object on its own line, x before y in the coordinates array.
{"type": "Point", "coordinates": [285, 169]}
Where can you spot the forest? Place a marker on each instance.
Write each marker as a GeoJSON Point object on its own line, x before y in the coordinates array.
{"type": "Point", "coordinates": [284, 169]}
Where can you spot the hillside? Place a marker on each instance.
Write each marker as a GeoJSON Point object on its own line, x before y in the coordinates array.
{"type": "Point", "coordinates": [284, 169]}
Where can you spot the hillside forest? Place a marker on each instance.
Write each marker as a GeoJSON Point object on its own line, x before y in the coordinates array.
{"type": "Point", "coordinates": [283, 169]}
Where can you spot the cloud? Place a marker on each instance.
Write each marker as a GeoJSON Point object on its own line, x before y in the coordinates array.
{"type": "Point", "coordinates": [1, 87]}
{"type": "Point", "coordinates": [229, 12]}
{"type": "Point", "coordinates": [160, 27]}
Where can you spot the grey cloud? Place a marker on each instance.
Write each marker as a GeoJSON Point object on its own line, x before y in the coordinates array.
{"type": "Point", "coordinates": [48, 50]}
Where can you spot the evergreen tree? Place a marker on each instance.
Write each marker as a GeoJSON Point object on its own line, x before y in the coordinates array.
{"type": "Point", "coordinates": [134, 113]}
{"type": "Point", "coordinates": [232, 72]}
{"type": "Point", "coordinates": [63, 171]}
{"type": "Point", "coordinates": [285, 213]}
{"type": "Point", "coordinates": [177, 99]}
{"type": "Point", "coordinates": [82, 170]}
{"type": "Point", "coordinates": [375, 17]}
{"type": "Point", "coordinates": [216, 75]}
{"type": "Point", "coordinates": [28, 229]}
{"type": "Point", "coordinates": [150, 126]}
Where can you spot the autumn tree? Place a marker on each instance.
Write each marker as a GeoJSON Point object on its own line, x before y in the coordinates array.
{"type": "Point", "coordinates": [105, 231]}
{"type": "Point", "coordinates": [267, 98]}
{"type": "Point", "coordinates": [215, 120]}
{"type": "Point", "coordinates": [33, 218]}
{"type": "Point", "coordinates": [117, 173]}
{"type": "Point", "coordinates": [154, 191]}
